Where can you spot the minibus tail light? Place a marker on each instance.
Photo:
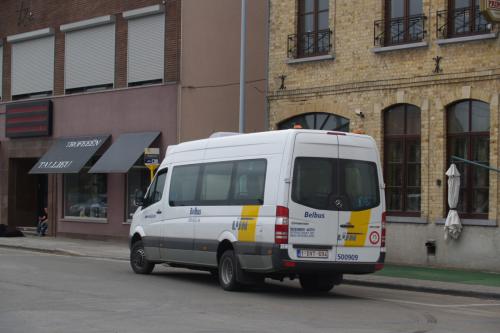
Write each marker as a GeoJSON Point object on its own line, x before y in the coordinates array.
{"type": "Point", "coordinates": [382, 243]}
{"type": "Point", "coordinates": [281, 225]}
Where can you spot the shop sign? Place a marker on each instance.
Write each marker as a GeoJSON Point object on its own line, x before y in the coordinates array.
{"type": "Point", "coordinates": [29, 119]}
{"type": "Point", "coordinates": [491, 10]}
{"type": "Point", "coordinates": [152, 160]}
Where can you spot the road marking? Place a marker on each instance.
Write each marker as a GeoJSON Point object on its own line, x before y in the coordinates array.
{"type": "Point", "coordinates": [441, 305]}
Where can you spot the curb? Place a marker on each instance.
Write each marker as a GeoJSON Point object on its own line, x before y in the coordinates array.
{"type": "Point", "coordinates": [452, 292]}
{"type": "Point", "coordinates": [58, 251]}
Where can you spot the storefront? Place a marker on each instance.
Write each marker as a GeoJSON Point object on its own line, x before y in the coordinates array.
{"type": "Point", "coordinates": [88, 168]}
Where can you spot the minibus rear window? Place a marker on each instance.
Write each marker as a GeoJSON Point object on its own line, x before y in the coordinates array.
{"type": "Point", "coordinates": [335, 184]}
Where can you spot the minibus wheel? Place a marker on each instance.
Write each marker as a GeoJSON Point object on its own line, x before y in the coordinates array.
{"type": "Point", "coordinates": [316, 282]}
{"type": "Point", "coordinates": [228, 271]}
{"type": "Point", "coordinates": [138, 261]}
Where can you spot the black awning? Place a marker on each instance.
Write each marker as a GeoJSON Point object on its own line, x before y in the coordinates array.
{"type": "Point", "coordinates": [122, 154]}
{"type": "Point", "coordinates": [69, 155]}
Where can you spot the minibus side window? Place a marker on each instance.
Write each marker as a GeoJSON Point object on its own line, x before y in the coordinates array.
{"type": "Point", "coordinates": [216, 183]}
{"type": "Point", "coordinates": [183, 185]}
{"type": "Point", "coordinates": [156, 188]}
{"type": "Point", "coordinates": [249, 182]}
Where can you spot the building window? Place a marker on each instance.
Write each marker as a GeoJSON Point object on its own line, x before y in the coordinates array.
{"type": "Point", "coordinates": [85, 195]}
{"type": "Point", "coordinates": [138, 180]}
{"type": "Point", "coordinates": [462, 18]}
{"type": "Point", "coordinates": [313, 33]}
{"type": "Point", "coordinates": [146, 44]}
{"type": "Point", "coordinates": [404, 23]}
{"type": "Point", "coordinates": [319, 120]}
{"type": "Point", "coordinates": [402, 159]}
{"type": "Point", "coordinates": [32, 65]}
{"type": "Point", "coordinates": [89, 55]}
{"type": "Point", "coordinates": [469, 138]}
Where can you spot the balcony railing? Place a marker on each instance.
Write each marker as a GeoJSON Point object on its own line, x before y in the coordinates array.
{"type": "Point", "coordinates": [309, 44]}
{"type": "Point", "coordinates": [401, 30]}
{"type": "Point", "coordinates": [461, 22]}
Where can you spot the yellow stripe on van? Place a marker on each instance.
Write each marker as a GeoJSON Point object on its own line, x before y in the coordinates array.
{"type": "Point", "coordinates": [360, 220]}
{"type": "Point", "coordinates": [249, 215]}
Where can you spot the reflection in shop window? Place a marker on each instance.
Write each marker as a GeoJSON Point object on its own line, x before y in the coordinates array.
{"type": "Point", "coordinates": [138, 180]}
{"type": "Point", "coordinates": [85, 195]}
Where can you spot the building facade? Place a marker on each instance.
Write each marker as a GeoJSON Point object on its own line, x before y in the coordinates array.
{"type": "Point", "coordinates": [88, 85]}
{"type": "Point", "coordinates": [423, 78]}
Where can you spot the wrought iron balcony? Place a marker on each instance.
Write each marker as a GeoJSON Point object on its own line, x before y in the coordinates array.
{"type": "Point", "coordinates": [309, 44]}
{"type": "Point", "coordinates": [461, 22]}
{"type": "Point", "coordinates": [401, 30]}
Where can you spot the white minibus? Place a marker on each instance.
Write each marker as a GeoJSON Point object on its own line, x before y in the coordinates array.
{"type": "Point", "coordinates": [296, 203]}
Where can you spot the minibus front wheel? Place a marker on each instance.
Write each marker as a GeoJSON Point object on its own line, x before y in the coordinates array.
{"type": "Point", "coordinates": [138, 260]}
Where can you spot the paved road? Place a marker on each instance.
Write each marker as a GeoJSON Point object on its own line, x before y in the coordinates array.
{"type": "Point", "coordinates": [52, 293]}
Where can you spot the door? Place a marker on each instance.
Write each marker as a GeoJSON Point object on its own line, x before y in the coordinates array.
{"type": "Point", "coordinates": [361, 201]}
{"type": "Point", "coordinates": [313, 217]}
{"type": "Point", "coordinates": [182, 214]}
{"type": "Point", "coordinates": [152, 214]}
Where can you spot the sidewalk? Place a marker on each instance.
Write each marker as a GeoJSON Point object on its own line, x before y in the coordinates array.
{"type": "Point", "coordinates": [423, 279]}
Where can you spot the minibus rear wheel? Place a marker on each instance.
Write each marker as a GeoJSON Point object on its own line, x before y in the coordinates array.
{"type": "Point", "coordinates": [138, 260]}
{"type": "Point", "coordinates": [229, 270]}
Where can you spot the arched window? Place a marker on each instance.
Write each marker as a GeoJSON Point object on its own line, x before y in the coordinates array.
{"type": "Point", "coordinates": [469, 138]}
{"type": "Point", "coordinates": [402, 159]}
{"type": "Point", "coordinates": [317, 120]}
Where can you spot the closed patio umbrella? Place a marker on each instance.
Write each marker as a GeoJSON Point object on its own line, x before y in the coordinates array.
{"type": "Point", "coordinates": [452, 226]}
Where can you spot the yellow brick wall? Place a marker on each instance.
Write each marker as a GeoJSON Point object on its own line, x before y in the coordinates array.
{"type": "Point", "coordinates": [359, 79]}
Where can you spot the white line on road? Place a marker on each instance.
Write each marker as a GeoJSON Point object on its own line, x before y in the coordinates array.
{"type": "Point", "coordinates": [441, 305]}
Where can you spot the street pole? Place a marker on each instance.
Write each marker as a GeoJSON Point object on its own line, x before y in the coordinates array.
{"type": "Point", "coordinates": [242, 65]}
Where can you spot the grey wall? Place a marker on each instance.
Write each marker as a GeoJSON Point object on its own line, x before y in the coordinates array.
{"type": "Point", "coordinates": [478, 247]}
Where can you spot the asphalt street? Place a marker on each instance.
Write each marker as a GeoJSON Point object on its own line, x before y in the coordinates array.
{"type": "Point", "coordinates": [56, 293]}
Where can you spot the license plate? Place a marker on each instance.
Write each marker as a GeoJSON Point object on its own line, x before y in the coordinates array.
{"type": "Point", "coordinates": [305, 253]}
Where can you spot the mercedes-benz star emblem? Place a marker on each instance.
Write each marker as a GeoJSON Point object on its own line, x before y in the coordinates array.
{"type": "Point", "coordinates": [338, 203]}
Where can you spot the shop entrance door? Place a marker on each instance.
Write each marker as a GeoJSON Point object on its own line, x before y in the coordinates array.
{"type": "Point", "coordinates": [27, 193]}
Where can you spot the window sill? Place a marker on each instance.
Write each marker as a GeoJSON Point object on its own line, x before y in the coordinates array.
{"type": "Point", "coordinates": [406, 219]}
{"type": "Point", "coordinates": [399, 47]}
{"type": "Point", "coordinates": [310, 59]}
{"type": "Point", "coordinates": [471, 222]}
{"type": "Point", "coordinates": [84, 220]}
{"type": "Point", "coordinates": [466, 38]}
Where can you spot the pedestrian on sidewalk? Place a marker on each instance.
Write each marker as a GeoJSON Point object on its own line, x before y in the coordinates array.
{"type": "Point", "coordinates": [42, 226]}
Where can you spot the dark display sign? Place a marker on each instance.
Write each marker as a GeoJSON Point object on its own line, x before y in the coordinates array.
{"type": "Point", "coordinates": [28, 119]}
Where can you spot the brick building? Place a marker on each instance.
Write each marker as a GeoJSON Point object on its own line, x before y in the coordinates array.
{"type": "Point", "coordinates": [423, 78]}
{"type": "Point", "coordinates": [87, 85]}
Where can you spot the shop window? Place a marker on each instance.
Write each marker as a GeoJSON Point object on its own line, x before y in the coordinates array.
{"type": "Point", "coordinates": [404, 23]}
{"type": "Point", "coordinates": [318, 120]}
{"type": "Point", "coordinates": [469, 138]}
{"type": "Point", "coordinates": [85, 195]}
{"type": "Point", "coordinates": [313, 32]}
{"type": "Point", "coordinates": [138, 180]}
{"type": "Point", "coordinates": [402, 159]}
